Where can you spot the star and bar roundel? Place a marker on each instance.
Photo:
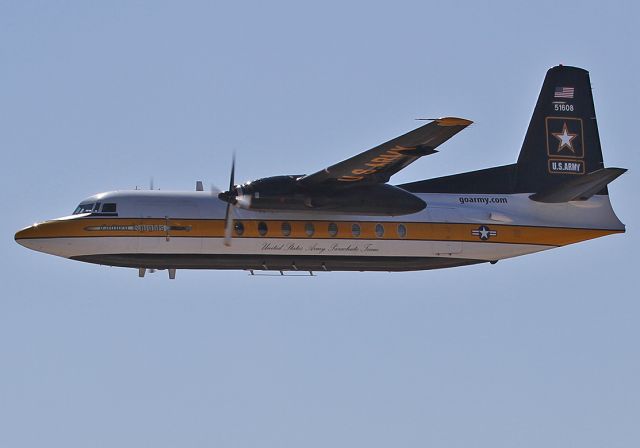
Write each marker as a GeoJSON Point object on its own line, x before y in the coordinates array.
{"type": "Point", "coordinates": [483, 232]}
{"type": "Point", "coordinates": [565, 145]}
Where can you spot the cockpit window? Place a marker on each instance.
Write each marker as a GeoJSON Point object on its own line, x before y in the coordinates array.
{"type": "Point", "coordinates": [94, 208]}
{"type": "Point", "coordinates": [84, 208]}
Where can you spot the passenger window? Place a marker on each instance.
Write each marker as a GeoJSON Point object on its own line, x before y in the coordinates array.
{"type": "Point", "coordinates": [109, 207]}
{"type": "Point", "coordinates": [286, 228]}
{"type": "Point", "coordinates": [239, 228]}
{"type": "Point", "coordinates": [333, 229]}
{"type": "Point", "coordinates": [309, 229]}
{"type": "Point", "coordinates": [262, 228]}
{"type": "Point", "coordinates": [402, 230]}
{"type": "Point", "coordinates": [355, 230]}
{"type": "Point", "coordinates": [379, 230]}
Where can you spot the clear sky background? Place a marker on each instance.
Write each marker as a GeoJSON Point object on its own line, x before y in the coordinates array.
{"type": "Point", "coordinates": [535, 351]}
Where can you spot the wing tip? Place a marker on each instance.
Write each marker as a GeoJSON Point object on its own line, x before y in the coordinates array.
{"type": "Point", "coordinates": [453, 121]}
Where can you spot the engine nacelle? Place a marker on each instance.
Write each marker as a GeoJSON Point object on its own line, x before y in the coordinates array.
{"type": "Point", "coordinates": [284, 193]}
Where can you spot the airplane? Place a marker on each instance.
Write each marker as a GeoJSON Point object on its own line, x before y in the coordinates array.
{"type": "Point", "coordinates": [347, 217]}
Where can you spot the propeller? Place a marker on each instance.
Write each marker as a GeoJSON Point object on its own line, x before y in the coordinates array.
{"type": "Point", "coordinates": [229, 197]}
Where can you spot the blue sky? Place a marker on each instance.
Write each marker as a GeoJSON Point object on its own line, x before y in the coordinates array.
{"type": "Point", "coordinates": [535, 351]}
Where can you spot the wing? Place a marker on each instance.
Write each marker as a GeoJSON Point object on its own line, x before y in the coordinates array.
{"type": "Point", "coordinates": [378, 164]}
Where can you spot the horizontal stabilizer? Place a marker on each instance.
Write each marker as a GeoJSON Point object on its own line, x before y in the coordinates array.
{"type": "Point", "coordinates": [580, 187]}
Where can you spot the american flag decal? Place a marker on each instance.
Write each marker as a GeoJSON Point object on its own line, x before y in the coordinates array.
{"type": "Point", "coordinates": [563, 92]}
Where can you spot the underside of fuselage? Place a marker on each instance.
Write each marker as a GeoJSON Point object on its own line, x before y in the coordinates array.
{"type": "Point", "coordinates": [275, 262]}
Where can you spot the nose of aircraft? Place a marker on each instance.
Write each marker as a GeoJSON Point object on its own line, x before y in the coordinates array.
{"type": "Point", "coordinates": [37, 237]}
{"type": "Point", "coordinates": [23, 235]}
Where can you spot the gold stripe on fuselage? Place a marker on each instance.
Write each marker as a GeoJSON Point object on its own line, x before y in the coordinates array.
{"type": "Point", "coordinates": [214, 228]}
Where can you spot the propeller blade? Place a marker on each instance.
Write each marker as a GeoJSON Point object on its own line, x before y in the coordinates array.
{"type": "Point", "coordinates": [233, 171]}
{"type": "Point", "coordinates": [228, 224]}
{"type": "Point", "coordinates": [228, 215]}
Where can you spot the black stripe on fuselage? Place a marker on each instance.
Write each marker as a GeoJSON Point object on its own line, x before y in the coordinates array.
{"type": "Point", "coordinates": [275, 262]}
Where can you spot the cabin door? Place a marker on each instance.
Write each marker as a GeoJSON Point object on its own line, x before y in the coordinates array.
{"type": "Point", "coordinates": [447, 231]}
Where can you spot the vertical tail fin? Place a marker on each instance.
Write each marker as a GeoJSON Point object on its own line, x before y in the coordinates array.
{"type": "Point", "coordinates": [562, 141]}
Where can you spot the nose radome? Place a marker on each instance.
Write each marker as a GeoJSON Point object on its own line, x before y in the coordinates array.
{"type": "Point", "coordinates": [47, 237]}
{"type": "Point", "coordinates": [23, 235]}
{"type": "Point", "coordinates": [31, 237]}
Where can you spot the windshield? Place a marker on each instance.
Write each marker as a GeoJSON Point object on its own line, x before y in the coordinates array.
{"type": "Point", "coordinates": [85, 208]}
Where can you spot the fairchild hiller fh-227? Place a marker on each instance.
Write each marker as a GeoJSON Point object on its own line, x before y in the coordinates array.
{"type": "Point", "coordinates": [348, 218]}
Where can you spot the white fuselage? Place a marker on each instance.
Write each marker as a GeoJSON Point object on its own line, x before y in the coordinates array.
{"type": "Point", "coordinates": [186, 230]}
